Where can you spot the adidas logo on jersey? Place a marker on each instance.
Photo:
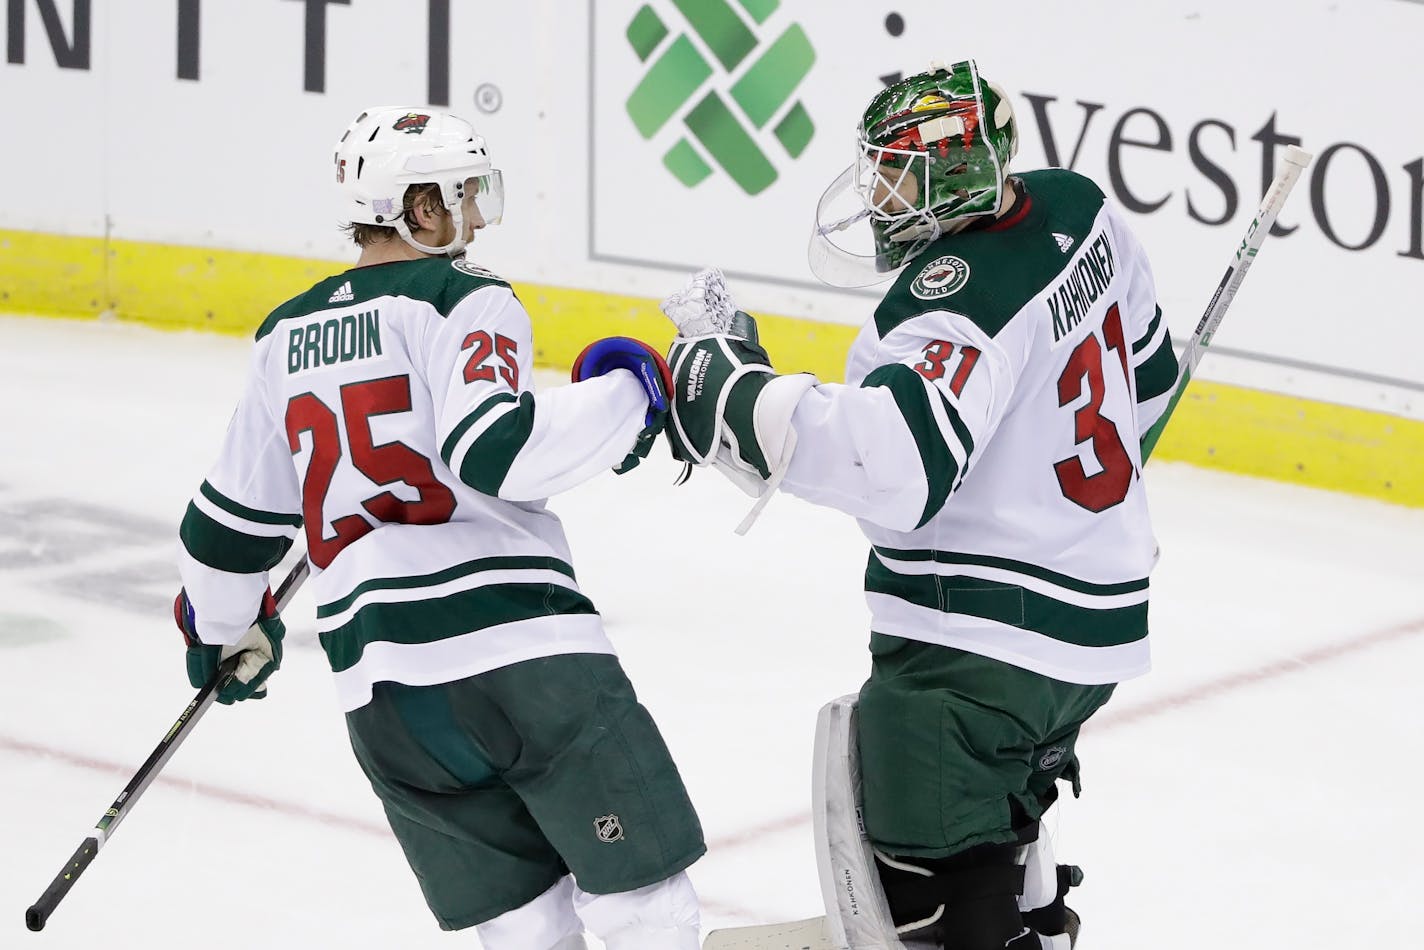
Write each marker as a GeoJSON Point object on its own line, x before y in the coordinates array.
{"type": "Point", "coordinates": [343, 294]}
{"type": "Point", "coordinates": [1065, 242]}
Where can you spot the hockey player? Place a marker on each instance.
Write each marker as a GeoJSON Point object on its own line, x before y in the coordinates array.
{"type": "Point", "coordinates": [390, 411]}
{"type": "Point", "coordinates": [986, 438]}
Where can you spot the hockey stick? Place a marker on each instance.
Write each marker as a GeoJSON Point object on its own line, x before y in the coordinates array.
{"type": "Point", "coordinates": [38, 914]}
{"type": "Point", "coordinates": [1296, 161]}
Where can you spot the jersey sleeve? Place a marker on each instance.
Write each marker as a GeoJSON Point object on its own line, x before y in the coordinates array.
{"type": "Point", "coordinates": [1153, 361]}
{"type": "Point", "coordinates": [243, 518]}
{"type": "Point", "coordinates": [893, 449]}
{"type": "Point", "coordinates": [500, 437]}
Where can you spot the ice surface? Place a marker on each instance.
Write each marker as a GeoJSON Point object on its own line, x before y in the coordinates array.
{"type": "Point", "coordinates": [1258, 789]}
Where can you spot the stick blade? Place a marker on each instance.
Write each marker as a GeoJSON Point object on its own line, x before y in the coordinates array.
{"type": "Point", "coordinates": [809, 934]}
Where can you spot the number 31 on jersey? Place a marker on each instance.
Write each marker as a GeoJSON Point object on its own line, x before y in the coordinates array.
{"type": "Point", "coordinates": [939, 354]}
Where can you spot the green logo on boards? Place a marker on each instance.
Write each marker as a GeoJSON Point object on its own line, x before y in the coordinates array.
{"type": "Point", "coordinates": [682, 82]}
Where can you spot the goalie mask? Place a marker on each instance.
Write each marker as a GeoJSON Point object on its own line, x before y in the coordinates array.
{"type": "Point", "coordinates": [388, 149]}
{"type": "Point", "coordinates": [933, 151]}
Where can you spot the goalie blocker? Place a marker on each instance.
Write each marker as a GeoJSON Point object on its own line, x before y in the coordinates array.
{"type": "Point", "coordinates": [729, 408]}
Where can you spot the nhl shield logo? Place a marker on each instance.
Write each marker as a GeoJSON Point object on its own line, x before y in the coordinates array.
{"type": "Point", "coordinates": [940, 278]}
{"type": "Point", "coordinates": [608, 828]}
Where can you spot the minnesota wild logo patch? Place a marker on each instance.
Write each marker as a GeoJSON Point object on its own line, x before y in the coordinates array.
{"type": "Point", "coordinates": [940, 278]}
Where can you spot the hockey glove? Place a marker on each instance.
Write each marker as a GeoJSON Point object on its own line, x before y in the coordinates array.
{"type": "Point", "coordinates": [702, 307]}
{"type": "Point", "coordinates": [259, 651]}
{"type": "Point", "coordinates": [645, 363]}
{"type": "Point", "coordinates": [730, 408]}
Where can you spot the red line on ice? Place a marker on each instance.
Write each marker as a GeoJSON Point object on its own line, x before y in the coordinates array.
{"type": "Point", "coordinates": [1113, 718]}
{"type": "Point", "coordinates": [1130, 715]}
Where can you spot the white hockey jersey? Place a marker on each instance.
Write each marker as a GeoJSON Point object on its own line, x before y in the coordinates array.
{"type": "Point", "coordinates": [987, 437]}
{"type": "Point", "coordinates": [391, 411]}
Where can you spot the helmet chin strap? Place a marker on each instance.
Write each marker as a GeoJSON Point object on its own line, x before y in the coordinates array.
{"type": "Point", "coordinates": [456, 245]}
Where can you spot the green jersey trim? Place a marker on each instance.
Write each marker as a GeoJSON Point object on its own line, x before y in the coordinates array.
{"type": "Point", "coordinates": [438, 281]}
{"type": "Point", "coordinates": [507, 563]}
{"type": "Point", "coordinates": [1006, 268]}
{"type": "Point", "coordinates": [427, 621]}
{"type": "Point", "coordinates": [1158, 373]}
{"type": "Point", "coordinates": [1141, 344]}
{"type": "Point", "coordinates": [242, 511]}
{"type": "Point", "coordinates": [222, 548]}
{"type": "Point", "coordinates": [447, 448]}
{"type": "Point", "coordinates": [1018, 567]}
{"type": "Point", "coordinates": [943, 469]}
{"type": "Point", "coordinates": [1012, 605]}
{"type": "Point", "coordinates": [487, 461]}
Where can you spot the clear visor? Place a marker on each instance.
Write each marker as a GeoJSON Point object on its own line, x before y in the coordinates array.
{"type": "Point", "coordinates": [488, 191]}
{"type": "Point", "coordinates": [845, 250]}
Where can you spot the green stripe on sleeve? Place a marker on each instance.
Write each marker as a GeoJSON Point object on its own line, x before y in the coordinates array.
{"type": "Point", "coordinates": [1141, 344]}
{"type": "Point", "coordinates": [1158, 373]}
{"type": "Point", "coordinates": [912, 397]}
{"type": "Point", "coordinates": [447, 448]}
{"type": "Point", "coordinates": [961, 430]}
{"type": "Point", "coordinates": [224, 549]}
{"type": "Point", "coordinates": [244, 512]}
{"type": "Point", "coordinates": [487, 463]}
{"type": "Point", "coordinates": [426, 621]}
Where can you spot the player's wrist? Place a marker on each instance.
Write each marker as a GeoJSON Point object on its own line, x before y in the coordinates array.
{"type": "Point", "coordinates": [259, 650]}
{"type": "Point", "coordinates": [645, 363]}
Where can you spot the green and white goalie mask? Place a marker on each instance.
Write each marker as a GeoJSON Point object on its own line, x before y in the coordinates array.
{"type": "Point", "coordinates": [933, 151]}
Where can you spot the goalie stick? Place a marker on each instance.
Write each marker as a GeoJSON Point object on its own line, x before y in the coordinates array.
{"type": "Point", "coordinates": [809, 934]}
{"type": "Point", "coordinates": [37, 915]}
{"type": "Point", "coordinates": [815, 933]}
{"type": "Point", "coordinates": [1296, 161]}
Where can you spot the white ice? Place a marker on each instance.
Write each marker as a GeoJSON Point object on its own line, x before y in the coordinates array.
{"type": "Point", "coordinates": [1258, 789]}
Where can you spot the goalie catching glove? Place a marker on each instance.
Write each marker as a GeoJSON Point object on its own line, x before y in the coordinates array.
{"type": "Point", "coordinates": [259, 651]}
{"type": "Point", "coordinates": [729, 408]}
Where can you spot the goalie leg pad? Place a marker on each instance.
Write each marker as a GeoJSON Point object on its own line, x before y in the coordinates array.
{"type": "Point", "coordinates": [857, 914]}
{"type": "Point", "coordinates": [1012, 893]}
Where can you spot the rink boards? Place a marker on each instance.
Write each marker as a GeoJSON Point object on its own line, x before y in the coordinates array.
{"type": "Point", "coordinates": [1221, 426]}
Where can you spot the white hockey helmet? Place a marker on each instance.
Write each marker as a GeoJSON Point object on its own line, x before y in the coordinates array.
{"type": "Point", "coordinates": [387, 149]}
